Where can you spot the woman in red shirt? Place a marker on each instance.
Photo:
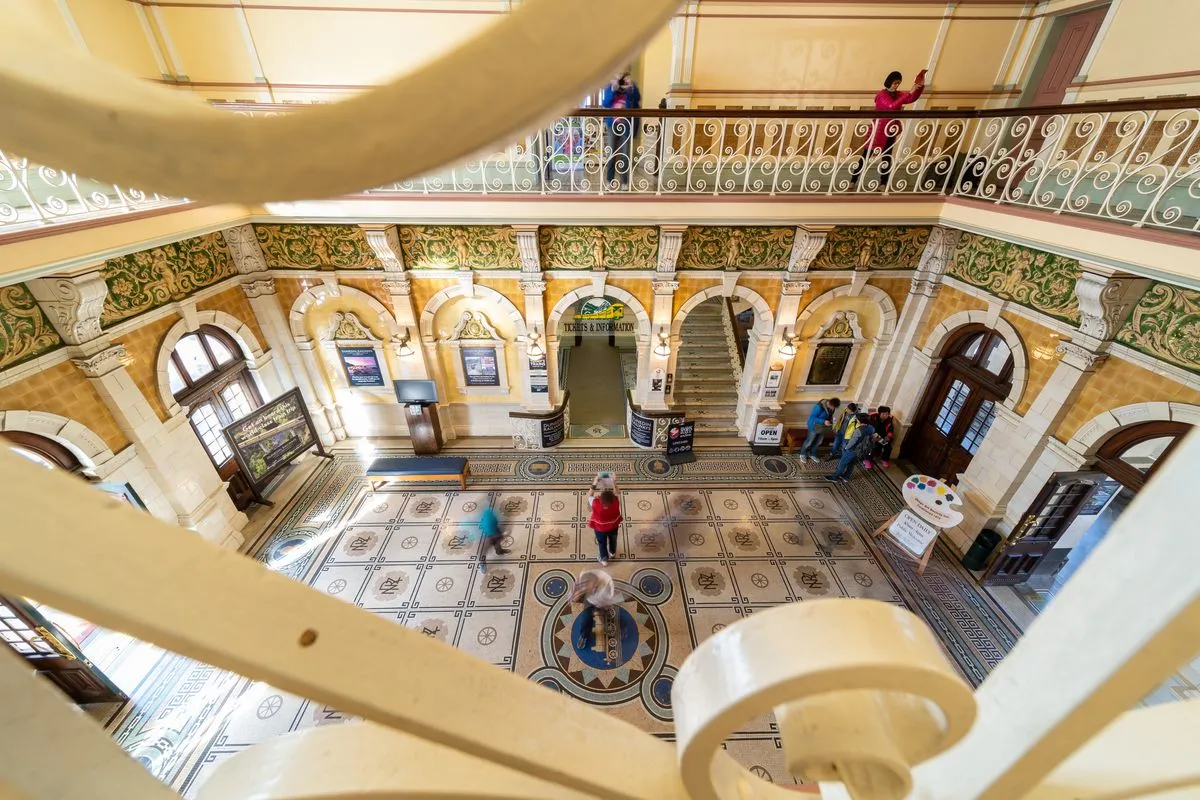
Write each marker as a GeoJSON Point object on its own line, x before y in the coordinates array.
{"type": "Point", "coordinates": [885, 132]}
{"type": "Point", "coordinates": [605, 521]}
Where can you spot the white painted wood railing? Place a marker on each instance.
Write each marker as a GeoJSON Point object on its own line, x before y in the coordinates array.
{"type": "Point", "coordinates": [861, 691]}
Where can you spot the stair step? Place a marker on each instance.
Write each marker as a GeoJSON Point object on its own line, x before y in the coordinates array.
{"type": "Point", "coordinates": [707, 369]}
{"type": "Point", "coordinates": [685, 385]}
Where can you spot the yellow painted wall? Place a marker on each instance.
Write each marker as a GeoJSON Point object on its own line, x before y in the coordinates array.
{"type": "Point", "coordinates": [870, 317]}
{"type": "Point", "coordinates": [63, 390]}
{"type": "Point", "coordinates": [1041, 359]}
{"type": "Point", "coordinates": [1147, 37]}
{"type": "Point", "coordinates": [1119, 383]}
{"type": "Point", "coordinates": [317, 324]}
{"type": "Point", "coordinates": [113, 33]}
{"type": "Point", "coordinates": [656, 69]}
{"type": "Point", "coordinates": [444, 322]}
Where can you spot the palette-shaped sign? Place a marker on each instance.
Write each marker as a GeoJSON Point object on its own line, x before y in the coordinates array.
{"type": "Point", "coordinates": [932, 500]}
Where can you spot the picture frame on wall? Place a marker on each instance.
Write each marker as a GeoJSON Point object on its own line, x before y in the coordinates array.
{"type": "Point", "coordinates": [829, 364]}
{"type": "Point", "coordinates": [480, 366]}
{"type": "Point", "coordinates": [361, 366]}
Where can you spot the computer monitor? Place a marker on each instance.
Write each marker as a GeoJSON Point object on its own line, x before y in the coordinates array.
{"type": "Point", "coordinates": [421, 392]}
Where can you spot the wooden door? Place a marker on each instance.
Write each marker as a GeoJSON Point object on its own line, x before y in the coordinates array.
{"type": "Point", "coordinates": [1075, 40]}
{"type": "Point", "coordinates": [51, 653]}
{"type": "Point", "coordinates": [956, 415]}
{"type": "Point", "coordinates": [1052, 512]}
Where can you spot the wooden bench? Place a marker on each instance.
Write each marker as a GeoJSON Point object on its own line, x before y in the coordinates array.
{"type": "Point", "coordinates": [402, 468]}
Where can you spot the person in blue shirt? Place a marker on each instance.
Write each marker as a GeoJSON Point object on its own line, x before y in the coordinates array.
{"type": "Point", "coordinates": [622, 92]}
{"type": "Point", "coordinates": [490, 536]}
{"type": "Point", "coordinates": [820, 421]}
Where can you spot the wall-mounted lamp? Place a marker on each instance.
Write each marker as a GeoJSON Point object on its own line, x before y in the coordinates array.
{"type": "Point", "coordinates": [405, 349]}
{"type": "Point", "coordinates": [788, 348]}
{"type": "Point", "coordinates": [535, 350]}
{"type": "Point", "coordinates": [663, 348]}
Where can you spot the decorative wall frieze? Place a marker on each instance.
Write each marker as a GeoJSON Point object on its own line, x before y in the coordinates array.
{"type": "Point", "coordinates": [73, 305]}
{"type": "Point", "coordinates": [385, 242]}
{"type": "Point", "coordinates": [1106, 301]}
{"type": "Point", "coordinates": [398, 285]}
{"type": "Point", "coordinates": [670, 240]}
{"type": "Point", "coordinates": [805, 247]}
{"type": "Point", "coordinates": [1079, 357]}
{"type": "Point", "coordinates": [258, 287]}
{"type": "Point", "coordinates": [474, 325]}
{"type": "Point", "coordinates": [527, 248]}
{"type": "Point", "coordinates": [346, 326]}
{"type": "Point", "coordinates": [243, 246]}
{"type": "Point", "coordinates": [108, 360]}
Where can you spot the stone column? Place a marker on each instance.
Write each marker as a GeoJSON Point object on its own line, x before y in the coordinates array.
{"type": "Point", "coordinates": [260, 292]}
{"type": "Point", "coordinates": [653, 396]}
{"type": "Point", "coordinates": [327, 407]}
{"type": "Point", "coordinates": [540, 385]}
{"type": "Point", "coordinates": [385, 242]}
{"type": "Point", "coordinates": [170, 451]}
{"type": "Point", "coordinates": [769, 400]}
{"type": "Point", "coordinates": [884, 381]}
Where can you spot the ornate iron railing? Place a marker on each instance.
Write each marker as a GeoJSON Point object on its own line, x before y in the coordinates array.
{"type": "Point", "coordinates": [1132, 162]}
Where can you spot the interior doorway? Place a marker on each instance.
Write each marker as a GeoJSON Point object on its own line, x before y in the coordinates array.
{"type": "Point", "coordinates": [1062, 56]}
{"type": "Point", "coordinates": [959, 407]}
{"type": "Point", "coordinates": [1074, 511]}
{"type": "Point", "coordinates": [597, 365]}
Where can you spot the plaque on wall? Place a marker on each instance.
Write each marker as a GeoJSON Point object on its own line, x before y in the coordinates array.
{"type": "Point", "coordinates": [480, 367]}
{"type": "Point", "coordinates": [554, 430]}
{"type": "Point", "coordinates": [361, 365]}
{"type": "Point", "coordinates": [269, 438]}
{"type": "Point", "coordinates": [829, 364]}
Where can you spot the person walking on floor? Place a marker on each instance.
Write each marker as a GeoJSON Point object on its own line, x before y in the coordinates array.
{"type": "Point", "coordinates": [605, 520]}
{"type": "Point", "coordinates": [619, 132]}
{"type": "Point", "coordinates": [595, 589]}
{"type": "Point", "coordinates": [820, 420]}
{"type": "Point", "coordinates": [842, 429]}
{"type": "Point", "coordinates": [884, 132]}
{"type": "Point", "coordinates": [490, 536]}
{"type": "Point", "coordinates": [858, 447]}
{"type": "Point", "coordinates": [885, 425]}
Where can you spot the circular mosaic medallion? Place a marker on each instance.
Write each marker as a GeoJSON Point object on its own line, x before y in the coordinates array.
{"type": "Point", "coordinates": [555, 587]}
{"type": "Point", "coordinates": [775, 466]}
{"type": "Point", "coordinates": [863, 579]}
{"type": "Point", "coordinates": [644, 505]}
{"type": "Point", "coordinates": [539, 468]}
{"type": "Point", "coordinates": [655, 466]}
{"type": "Point", "coordinates": [336, 586]}
{"type": "Point", "coordinates": [270, 706]}
{"type": "Point", "coordinates": [286, 551]}
{"type": "Point", "coordinates": [662, 690]}
{"type": "Point", "coordinates": [651, 585]}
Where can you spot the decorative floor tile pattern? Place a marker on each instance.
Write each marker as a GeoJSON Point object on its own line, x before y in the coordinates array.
{"type": "Point", "coordinates": [702, 547]}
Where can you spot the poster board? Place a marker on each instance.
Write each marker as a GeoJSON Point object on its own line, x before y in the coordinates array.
{"type": "Point", "coordinates": [269, 438]}
{"type": "Point", "coordinates": [361, 365]}
{"type": "Point", "coordinates": [680, 435]}
{"type": "Point", "coordinates": [912, 533]}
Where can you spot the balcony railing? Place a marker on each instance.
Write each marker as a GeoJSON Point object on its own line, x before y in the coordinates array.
{"type": "Point", "coordinates": [1132, 162]}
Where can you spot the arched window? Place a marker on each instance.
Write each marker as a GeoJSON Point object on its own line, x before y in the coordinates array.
{"type": "Point", "coordinates": [1132, 455]}
{"type": "Point", "coordinates": [42, 451]}
{"type": "Point", "coordinates": [208, 375]}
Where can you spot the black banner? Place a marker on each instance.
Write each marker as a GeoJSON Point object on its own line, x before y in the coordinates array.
{"type": "Point", "coordinates": [554, 430]}
{"type": "Point", "coordinates": [269, 438]}
{"type": "Point", "coordinates": [679, 436]}
{"type": "Point", "coordinates": [641, 429]}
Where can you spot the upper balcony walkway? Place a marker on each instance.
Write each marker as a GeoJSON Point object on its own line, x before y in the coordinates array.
{"type": "Point", "coordinates": [1133, 163]}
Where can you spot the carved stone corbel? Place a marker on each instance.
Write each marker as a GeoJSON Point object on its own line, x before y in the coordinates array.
{"type": "Point", "coordinates": [73, 305]}
{"type": "Point", "coordinates": [244, 248]}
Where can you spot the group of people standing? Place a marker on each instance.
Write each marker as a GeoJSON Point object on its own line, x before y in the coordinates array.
{"type": "Point", "coordinates": [857, 436]}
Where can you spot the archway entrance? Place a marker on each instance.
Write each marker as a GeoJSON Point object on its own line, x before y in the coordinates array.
{"type": "Point", "coordinates": [597, 364]}
{"type": "Point", "coordinates": [1075, 510]}
{"type": "Point", "coordinates": [714, 338]}
{"type": "Point", "coordinates": [959, 406]}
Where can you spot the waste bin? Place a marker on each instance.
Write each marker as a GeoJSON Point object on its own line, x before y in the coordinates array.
{"type": "Point", "coordinates": [976, 557]}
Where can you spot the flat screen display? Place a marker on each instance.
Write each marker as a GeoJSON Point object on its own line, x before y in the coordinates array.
{"type": "Point", "coordinates": [416, 392]}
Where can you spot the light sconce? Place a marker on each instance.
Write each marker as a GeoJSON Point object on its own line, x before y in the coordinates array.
{"type": "Point", "coordinates": [535, 350]}
{"type": "Point", "coordinates": [663, 348]}
{"type": "Point", "coordinates": [405, 349]}
{"type": "Point", "coordinates": [788, 348]}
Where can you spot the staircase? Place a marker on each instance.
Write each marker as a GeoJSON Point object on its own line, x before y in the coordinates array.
{"type": "Point", "coordinates": [707, 370]}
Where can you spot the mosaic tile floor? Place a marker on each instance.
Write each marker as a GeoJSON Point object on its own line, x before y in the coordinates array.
{"type": "Point", "coordinates": [704, 545]}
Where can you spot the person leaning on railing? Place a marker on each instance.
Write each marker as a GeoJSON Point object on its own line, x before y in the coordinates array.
{"type": "Point", "coordinates": [884, 132]}
{"type": "Point", "coordinates": [622, 92]}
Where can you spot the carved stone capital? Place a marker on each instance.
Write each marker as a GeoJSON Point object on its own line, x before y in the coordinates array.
{"type": "Point", "coordinates": [935, 260]}
{"type": "Point", "coordinates": [530, 286]}
{"type": "Point", "coordinates": [665, 287]}
{"type": "Point", "coordinates": [243, 246]}
{"type": "Point", "coordinates": [527, 248]}
{"type": "Point", "coordinates": [398, 285]}
{"type": "Point", "coordinates": [73, 305]}
{"type": "Point", "coordinates": [258, 287]}
{"type": "Point", "coordinates": [796, 288]}
{"type": "Point", "coordinates": [1079, 357]}
{"type": "Point", "coordinates": [104, 362]}
{"type": "Point", "coordinates": [1105, 302]}
{"type": "Point", "coordinates": [386, 244]}
{"type": "Point", "coordinates": [805, 248]}
{"type": "Point", "coordinates": [670, 240]}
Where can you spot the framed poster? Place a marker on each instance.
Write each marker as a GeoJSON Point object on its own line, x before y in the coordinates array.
{"type": "Point", "coordinates": [361, 365]}
{"type": "Point", "coordinates": [479, 366]}
{"type": "Point", "coordinates": [829, 364]}
{"type": "Point", "coordinates": [269, 438]}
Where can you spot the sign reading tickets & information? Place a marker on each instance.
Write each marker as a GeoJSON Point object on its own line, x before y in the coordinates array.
{"type": "Point", "coordinates": [916, 528]}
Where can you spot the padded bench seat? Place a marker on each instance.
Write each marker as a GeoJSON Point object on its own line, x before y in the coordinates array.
{"type": "Point", "coordinates": [391, 468]}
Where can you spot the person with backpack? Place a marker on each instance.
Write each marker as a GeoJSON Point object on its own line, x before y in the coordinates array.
{"type": "Point", "coordinates": [885, 425]}
{"type": "Point", "coordinates": [820, 420]}
{"type": "Point", "coordinates": [605, 520]}
{"type": "Point", "coordinates": [490, 536]}
{"type": "Point", "coordinates": [858, 447]}
{"type": "Point", "coordinates": [842, 430]}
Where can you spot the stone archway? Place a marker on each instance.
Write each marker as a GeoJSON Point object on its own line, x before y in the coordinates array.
{"type": "Point", "coordinates": [257, 359]}
{"type": "Point", "coordinates": [630, 301]}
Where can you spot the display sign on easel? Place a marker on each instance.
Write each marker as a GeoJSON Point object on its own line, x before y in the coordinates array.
{"type": "Point", "coordinates": [916, 528]}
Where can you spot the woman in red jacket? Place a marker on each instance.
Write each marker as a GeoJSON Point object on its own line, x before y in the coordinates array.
{"type": "Point", "coordinates": [605, 521]}
{"type": "Point", "coordinates": [884, 132]}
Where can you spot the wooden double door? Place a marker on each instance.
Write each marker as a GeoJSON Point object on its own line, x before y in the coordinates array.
{"type": "Point", "coordinates": [954, 417]}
